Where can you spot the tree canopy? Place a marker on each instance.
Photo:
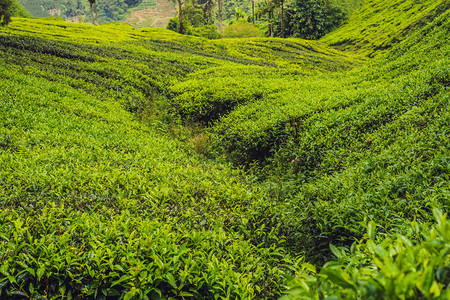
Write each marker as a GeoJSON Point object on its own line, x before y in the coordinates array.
{"type": "Point", "coordinates": [5, 12]}
{"type": "Point", "coordinates": [312, 19]}
{"type": "Point", "coordinates": [11, 8]}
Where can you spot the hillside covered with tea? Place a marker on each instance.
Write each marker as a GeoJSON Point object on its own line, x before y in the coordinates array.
{"type": "Point", "coordinates": [146, 164]}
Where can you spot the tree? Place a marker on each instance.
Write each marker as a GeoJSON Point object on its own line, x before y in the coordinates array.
{"type": "Point", "coordinates": [207, 7]}
{"type": "Point", "coordinates": [5, 11]}
{"type": "Point", "coordinates": [180, 4]}
{"type": "Point", "coordinates": [253, 12]}
{"type": "Point", "coordinates": [194, 23]}
{"type": "Point", "coordinates": [94, 3]}
{"type": "Point", "coordinates": [311, 19]}
{"type": "Point", "coordinates": [267, 8]}
{"type": "Point", "coordinates": [220, 7]}
{"type": "Point", "coordinates": [11, 8]}
{"type": "Point", "coordinates": [281, 3]}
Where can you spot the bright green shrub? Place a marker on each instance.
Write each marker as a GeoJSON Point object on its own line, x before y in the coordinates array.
{"type": "Point", "coordinates": [64, 253]}
{"type": "Point", "coordinates": [207, 31]}
{"type": "Point", "coordinates": [310, 19]}
{"type": "Point", "coordinates": [347, 6]}
{"type": "Point", "coordinates": [75, 168]}
{"type": "Point", "coordinates": [241, 29]}
{"type": "Point", "coordinates": [415, 265]}
{"type": "Point", "coordinates": [70, 152]}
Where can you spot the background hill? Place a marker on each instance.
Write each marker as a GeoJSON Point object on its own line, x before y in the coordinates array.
{"type": "Point", "coordinates": [79, 11]}
{"type": "Point", "coordinates": [145, 13]}
{"type": "Point", "coordinates": [144, 163]}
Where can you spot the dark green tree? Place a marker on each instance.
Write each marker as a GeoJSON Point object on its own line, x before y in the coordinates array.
{"type": "Point", "coordinates": [5, 11]}
{"type": "Point", "coordinates": [311, 19]}
{"type": "Point", "coordinates": [207, 7]}
{"type": "Point", "coordinates": [266, 8]}
{"type": "Point", "coordinates": [180, 4]}
{"type": "Point", "coordinates": [194, 23]}
{"type": "Point", "coordinates": [11, 8]}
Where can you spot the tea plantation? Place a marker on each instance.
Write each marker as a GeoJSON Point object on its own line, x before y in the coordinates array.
{"type": "Point", "coordinates": [144, 164]}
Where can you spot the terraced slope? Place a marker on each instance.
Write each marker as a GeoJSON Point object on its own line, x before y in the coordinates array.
{"type": "Point", "coordinates": [102, 193]}
{"type": "Point", "coordinates": [102, 202]}
{"type": "Point", "coordinates": [350, 146]}
{"type": "Point", "coordinates": [379, 25]}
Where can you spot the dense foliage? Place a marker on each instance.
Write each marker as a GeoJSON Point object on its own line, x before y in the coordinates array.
{"type": "Point", "coordinates": [149, 164]}
{"type": "Point", "coordinates": [96, 169]}
{"type": "Point", "coordinates": [194, 23]}
{"type": "Point", "coordinates": [310, 19]}
{"type": "Point", "coordinates": [9, 8]}
{"type": "Point", "coordinates": [402, 266]}
{"type": "Point", "coordinates": [5, 12]}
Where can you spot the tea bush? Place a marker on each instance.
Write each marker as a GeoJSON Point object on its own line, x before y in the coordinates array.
{"type": "Point", "coordinates": [88, 196]}
{"type": "Point", "coordinates": [401, 266]}
{"type": "Point", "coordinates": [362, 144]}
{"type": "Point", "coordinates": [378, 25]}
{"type": "Point", "coordinates": [102, 194]}
{"type": "Point", "coordinates": [241, 29]}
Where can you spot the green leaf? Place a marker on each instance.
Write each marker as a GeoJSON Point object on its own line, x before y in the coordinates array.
{"type": "Point", "coordinates": [4, 270]}
{"type": "Point", "coordinates": [438, 215]}
{"type": "Point", "coordinates": [336, 276]}
{"type": "Point", "coordinates": [128, 295]}
{"type": "Point", "coordinates": [31, 288]}
{"type": "Point", "coordinates": [12, 279]}
{"type": "Point", "coordinates": [371, 229]}
{"type": "Point", "coordinates": [112, 292]}
{"type": "Point", "coordinates": [19, 293]}
{"type": "Point", "coordinates": [338, 253]}
{"type": "Point", "coordinates": [122, 279]}
{"type": "Point", "coordinates": [31, 271]}
{"type": "Point", "coordinates": [40, 273]}
{"type": "Point", "coordinates": [119, 267]}
{"type": "Point", "coordinates": [171, 280]}
{"type": "Point", "coordinates": [309, 267]}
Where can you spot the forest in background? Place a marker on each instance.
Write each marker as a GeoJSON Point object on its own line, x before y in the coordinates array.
{"type": "Point", "coordinates": [146, 164]}
{"type": "Point", "coordinates": [300, 18]}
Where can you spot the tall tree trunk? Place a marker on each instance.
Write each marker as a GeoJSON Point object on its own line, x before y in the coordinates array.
{"type": "Point", "coordinates": [282, 19]}
{"type": "Point", "coordinates": [180, 15]}
{"type": "Point", "coordinates": [96, 13]}
{"type": "Point", "coordinates": [253, 12]}
{"type": "Point", "coordinates": [209, 6]}
{"type": "Point", "coordinates": [92, 13]}
{"type": "Point", "coordinates": [220, 16]}
{"type": "Point", "coordinates": [271, 23]}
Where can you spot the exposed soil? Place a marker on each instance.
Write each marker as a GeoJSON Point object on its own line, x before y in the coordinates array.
{"type": "Point", "coordinates": [158, 16]}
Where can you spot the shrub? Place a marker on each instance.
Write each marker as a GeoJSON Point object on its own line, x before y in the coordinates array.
{"type": "Point", "coordinates": [309, 19]}
{"type": "Point", "coordinates": [241, 29]}
{"type": "Point", "coordinates": [401, 266]}
{"type": "Point", "coordinates": [194, 23]}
